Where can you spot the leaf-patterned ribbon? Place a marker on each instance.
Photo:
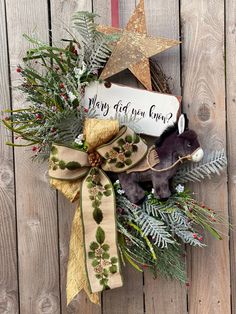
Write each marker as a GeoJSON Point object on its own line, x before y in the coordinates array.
{"type": "Point", "coordinates": [97, 268]}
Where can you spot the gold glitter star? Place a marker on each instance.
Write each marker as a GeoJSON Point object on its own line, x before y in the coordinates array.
{"type": "Point", "coordinates": [134, 48]}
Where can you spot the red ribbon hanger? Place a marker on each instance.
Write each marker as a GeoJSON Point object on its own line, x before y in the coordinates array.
{"type": "Point", "coordinates": [115, 13]}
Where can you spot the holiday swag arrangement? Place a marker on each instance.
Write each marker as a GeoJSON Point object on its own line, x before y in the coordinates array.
{"type": "Point", "coordinates": [132, 203]}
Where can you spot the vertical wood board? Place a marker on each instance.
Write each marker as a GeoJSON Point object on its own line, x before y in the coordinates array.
{"type": "Point", "coordinates": [129, 298]}
{"type": "Point", "coordinates": [8, 245]}
{"type": "Point", "coordinates": [61, 20]}
{"type": "Point", "coordinates": [204, 99]}
{"type": "Point", "coordinates": [162, 296]}
{"type": "Point", "coordinates": [230, 39]}
{"type": "Point", "coordinates": [36, 202]}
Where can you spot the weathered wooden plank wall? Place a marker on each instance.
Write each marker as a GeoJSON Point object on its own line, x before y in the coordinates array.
{"type": "Point", "coordinates": [204, 100]}
{"type": "Point", "coordinates": [35, 221]}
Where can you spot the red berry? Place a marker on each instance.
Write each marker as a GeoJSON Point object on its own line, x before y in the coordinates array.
{"type": "Point", "coordinates": [34, 148]}
{"type": "Point", "coordinates": [62, 85]}
{"type": "Point", "coordinates": [19, 70]}
{"type": "Point", "coordinates": [187, 284]}
{"type": "Point", "coordinates": [195, 236]}
{"type": "Point", "coordinates": [64, 96]}
{"type": "Point", "coordinates": [38, 116]}
{"type": "Point", "coordinates": [85, 110]}
{"type": "Point", "coordinates": [200, 238]}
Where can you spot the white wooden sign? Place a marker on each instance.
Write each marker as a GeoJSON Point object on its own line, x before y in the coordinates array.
{"type": "Point", "coordinates": [153, 112]}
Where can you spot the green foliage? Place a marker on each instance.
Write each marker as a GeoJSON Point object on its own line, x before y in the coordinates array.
{"type": "Point", "coordinates": [73, 165]}
{"type": "Point", "coordinates": [96, 45]}
{"type": "Point", "coordinates": [151, 234]}
{"type": "Point", "coordinates": [170, 263]}
{"type": "Point", "coordinates": [100, 235]}
{"type": "Point", "coordinates": [97, 215]}
{"type": "Point", "coordinates": [53, 81]}
{"type": "Point", "coordinates": [154, 228]}
{"type": "Point", "coordinates": [211, 164]}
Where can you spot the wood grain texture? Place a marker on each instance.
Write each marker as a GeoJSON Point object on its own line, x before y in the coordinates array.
{"type": "Point", "coordinates": [163, 21]}
{"type": "Point", "coordinates": [61, 13]}
{"type": "Point", "coordinates": [103, 10]}
{"type": "Point", "coordinates": [8, 244]}
{"type": "Point", "coordinates": [204, 99]}
{"type": "Point", "coordinates": [36, 202]}
{"type": "Point", "coordinates": [162, 296]}
{"type": "Point", "coordinates": [230, 31]}
{"type": "Point", "coordinates": [42, 272]}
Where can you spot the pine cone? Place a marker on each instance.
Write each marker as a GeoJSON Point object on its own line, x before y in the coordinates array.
{"type": "Point", "coordinates": [94, 159]}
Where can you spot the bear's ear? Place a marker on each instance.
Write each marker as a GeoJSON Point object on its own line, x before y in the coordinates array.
{"type": "Point", "coordinates": [181, 124]}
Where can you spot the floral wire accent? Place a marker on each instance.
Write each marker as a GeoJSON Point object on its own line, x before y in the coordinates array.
{"type": "Point", "coordinates": [120, 154]}
{"type": "Point", "coordinates": [104, 265]}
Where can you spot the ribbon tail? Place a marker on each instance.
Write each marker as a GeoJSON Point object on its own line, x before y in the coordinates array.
{"type": "Point", "coordinates": [76, 273]}
{"type": "Point", "coordinates": [100, 233]}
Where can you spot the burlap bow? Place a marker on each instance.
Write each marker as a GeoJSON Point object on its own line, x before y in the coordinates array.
{"type": "Point", "coordinates": [93, 261]}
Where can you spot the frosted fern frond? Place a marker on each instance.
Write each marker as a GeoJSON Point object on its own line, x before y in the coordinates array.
{"type": "Point", "coordinates": [180, 226]}
{"type": "Point", "coordinates": [212, 164]}
{"type": "Point", "coordinates": [85, 26]}
{"type": "Point", "coordinates": [154, 228]}
{"type": "Point", "coordinates": [99, 55]}
{"type": "Point", "coordinates": [178, 219]}
{"type": "Point", "coordinates": [188, 237]}
{"type": "Point", "coordinates": [156, 209]}
{"type": "Point", "coordinates": [96, 44]}
{"type": "Point", "coordinates": [175, 219]}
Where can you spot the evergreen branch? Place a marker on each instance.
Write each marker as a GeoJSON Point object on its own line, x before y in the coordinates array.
{"type": "Point", "coordinates": [154, 228]}
{"type": "Point", "coordinates": [99, 55]}
{"type": "Point", "coordinates": [84, 24]}
{"type": "Point", "coordinates": [212, 164]}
